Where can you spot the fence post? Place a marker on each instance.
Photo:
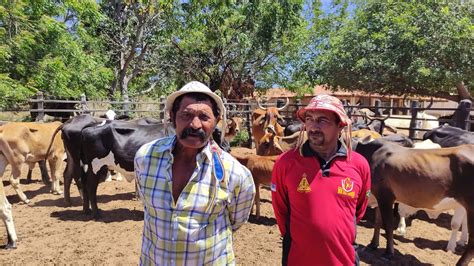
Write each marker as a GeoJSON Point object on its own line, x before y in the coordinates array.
{"type": "Point", "coordinates": [414, 115]}
{"type": "Point", "coordinates": [162, 108]}
{"type": "Point", "coordinates": [378, 112]}
{"type": "Point", "coordinates": [40, 106]}
{"type": "Point", "coordinates": [248, 123]}
{"type": "Point", "coordinates": [297, 107]}
{"type": "Point", "coordinates": [84, 107]}
{"type": "Point", "coordinates": [126, 105]}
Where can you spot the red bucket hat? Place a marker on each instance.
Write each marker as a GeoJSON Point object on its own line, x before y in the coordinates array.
{"type": "Point", "coordinates": [325, 102]}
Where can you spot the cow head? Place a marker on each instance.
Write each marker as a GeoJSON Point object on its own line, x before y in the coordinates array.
{"type": "Point", "coordinates": [267, 120]}
{"type": "Point", "coordinates": [269, 145]}
{"type": "Point", "coordinates": [271, 119]}
{"type": "Point", "coordinates": [233, 126]}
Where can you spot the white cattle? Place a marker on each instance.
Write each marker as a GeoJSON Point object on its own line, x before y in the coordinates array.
{"type": "Point", "coordinates": [5, 206]}
{"type": "Point", "coordinates": [424, 121]}
{"type": "Point", "coordinates": [458, 218]}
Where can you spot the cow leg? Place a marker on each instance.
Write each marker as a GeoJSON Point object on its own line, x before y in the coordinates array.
{"type": "Point", "coordinates": [464, 232]}
{"type": "Point", "coordinates": [386, 210]}
{"type": "Point", "coordinates": [402, 226]}
{"type": "Point", "coordinates": [85, 197]}
{"type": "Point", "coordinates": [458, 217]}
{"type": "Point", "coordinates": [92, 182]}
{"type": "Point", "coordinates": [469, 251]}
{"type": "Point", "coordinates": [44, 172]}
{"type": "Point", "coordinates": [374, 243]}
{"type": "Point", "coordinates": [109, 177]}
{"type": "Point", "coordinates": [15, 180]}
{"type": "Point", "coordinates": [404, 211]}
{"type": "Point", "coordinates": [73, 170]}
{"type": "Point", "coordinates": [7, 218]}
{"type": "Point", "coordinates": [28, 176]}
{"type": "Point", "coordinates": [119, 177]}
{"type": "Point", "coordinates": [257, 200]}
{"type": "Point", "coordinates": [54, 165]}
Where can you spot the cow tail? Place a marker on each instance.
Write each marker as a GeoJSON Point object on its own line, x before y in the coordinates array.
{"type": "Point", "coordinates": [52, 140]}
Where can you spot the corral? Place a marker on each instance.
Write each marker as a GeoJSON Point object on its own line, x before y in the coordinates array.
{"type": "Point", "coordinates": [50, 233]}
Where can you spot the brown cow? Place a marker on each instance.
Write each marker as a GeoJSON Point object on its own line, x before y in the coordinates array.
{"type": "Point", "coordinates": [361, 133]}
{"type": "Point", "coordinates": [261, 168]}
{"type": "Point", "coordinates": [271, 144]}
{"type": "Point", "coordinates": [233, 126]}
{"type": "Point", "coordinates": [398, 173]}
{"type": "Point", "coordinates": [267, 120]}
{"type": "Point", "coordinates": [29, 143]}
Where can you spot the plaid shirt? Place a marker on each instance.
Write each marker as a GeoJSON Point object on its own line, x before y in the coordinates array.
{"type": "Point", "coordinates": [197, 229]}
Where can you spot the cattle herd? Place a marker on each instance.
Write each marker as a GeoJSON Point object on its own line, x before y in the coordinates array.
{"type": "Point", "coordinates": [434, 175]}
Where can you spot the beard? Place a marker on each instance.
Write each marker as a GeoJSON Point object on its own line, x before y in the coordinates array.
{"type": "Point", "coordinates": [316, 138]}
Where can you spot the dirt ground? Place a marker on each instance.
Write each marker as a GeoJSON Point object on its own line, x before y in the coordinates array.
{"type": "Point", "coordinates": [49, 233]}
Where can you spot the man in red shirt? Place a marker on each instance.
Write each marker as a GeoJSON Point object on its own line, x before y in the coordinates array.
{"type": "Point", "coordinates": [320, 189]}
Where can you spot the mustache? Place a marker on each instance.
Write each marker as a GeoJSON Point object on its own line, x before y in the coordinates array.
{"type": "Point", "coordinates": [315, 133]}
{"type": "Point", "coordinates": [193, 132]}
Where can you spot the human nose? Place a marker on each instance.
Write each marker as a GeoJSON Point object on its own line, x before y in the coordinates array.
{"type": "Point", "coordinates": [196, 122]}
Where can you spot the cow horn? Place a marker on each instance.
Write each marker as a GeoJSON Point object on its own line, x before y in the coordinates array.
{"type": "Point", "coordinates": [260, 106]}
{"type": "Point", "coordinates": [286, 104]}
{"type": "Point", "coordinates": [405, 103]}
{"type": "Point", "coordinates": [371, 118]}
{"type": "Point", "coordinates": [430, 104]}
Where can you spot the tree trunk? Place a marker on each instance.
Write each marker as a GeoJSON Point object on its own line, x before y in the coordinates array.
{"type": "Point", "coordinates": [463, 92]}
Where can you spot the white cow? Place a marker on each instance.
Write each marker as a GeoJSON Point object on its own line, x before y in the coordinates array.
{"type": "Point", "coordinates": [5, 206]}
{"type": "Point", "coordinates": [446, 204]}
{"type": "Point", "coordinates": [424, 121]}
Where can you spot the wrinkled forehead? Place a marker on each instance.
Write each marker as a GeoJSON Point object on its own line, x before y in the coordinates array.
{"type": "Point", "coordinates": [192, 103]}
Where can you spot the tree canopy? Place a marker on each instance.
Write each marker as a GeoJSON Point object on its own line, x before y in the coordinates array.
{"type": "Point", "coordinates": [236, 45]}
{"type": "Point", "coordinates": [128, 48]}
{"type": "Point", "coordinates": [44, 47]}
{"type": "Point", "coordinates": [399, 47]}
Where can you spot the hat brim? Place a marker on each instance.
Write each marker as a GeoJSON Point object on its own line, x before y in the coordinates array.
{"type": "Point", "coordinates": [172, 97]}
{"type": "Point", "coordinates": [300, 114]}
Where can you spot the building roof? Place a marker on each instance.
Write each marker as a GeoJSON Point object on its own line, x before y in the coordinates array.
{"type": "Point", "coordinates": [322, 89]}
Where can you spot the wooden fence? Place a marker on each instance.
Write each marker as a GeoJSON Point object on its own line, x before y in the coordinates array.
{"type": "Point", "coordinates": [243, 109]}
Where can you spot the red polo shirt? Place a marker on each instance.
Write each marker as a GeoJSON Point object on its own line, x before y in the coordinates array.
{"type": "Point", "coordinates": [317, 205]}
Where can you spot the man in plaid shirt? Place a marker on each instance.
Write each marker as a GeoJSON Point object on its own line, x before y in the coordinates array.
{"type": "Point", "coordinates": [195, 195]}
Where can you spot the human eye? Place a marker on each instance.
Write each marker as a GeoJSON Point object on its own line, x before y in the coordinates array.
{"type": "Point", "coordinates": [204, 117]}
{"type": "Point", "coordinates": [323, 121]}
{"type": "Point", "coordinates": [185, 116]}
{"type": "Point", "coordinates": [308, 119]}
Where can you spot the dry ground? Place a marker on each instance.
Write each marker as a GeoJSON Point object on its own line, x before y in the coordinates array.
{"type": "Point", "coordinates": [49, 233]}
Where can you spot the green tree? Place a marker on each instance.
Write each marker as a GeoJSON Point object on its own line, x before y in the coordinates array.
{"type": "Point", "coordinates": [233, 45]}
{"type": "Point", "coordinates": [400, 47]}
{"type": "Point", "coordinates": [44, 47]}
{"type": "Point", "coordinates": [134, 34]}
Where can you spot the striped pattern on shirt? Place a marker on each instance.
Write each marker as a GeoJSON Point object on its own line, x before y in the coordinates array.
{"type": "Point", "coordinates": [197, 229]}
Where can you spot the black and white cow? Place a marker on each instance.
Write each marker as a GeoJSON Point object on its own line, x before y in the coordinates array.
{"type": "Point", "coordinates": [111, 145]}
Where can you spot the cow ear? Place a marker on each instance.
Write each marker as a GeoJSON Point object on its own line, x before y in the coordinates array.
{"type": "Point", "coordinates": [365, 139]}
{"type": "Point", "coordinates": [281, 121]}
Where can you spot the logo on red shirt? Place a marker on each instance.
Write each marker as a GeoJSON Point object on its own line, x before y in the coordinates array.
{"type": "Point", "coordinates": [303, 186]}
{"type": "Point", "coordinates": [347, 185]}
